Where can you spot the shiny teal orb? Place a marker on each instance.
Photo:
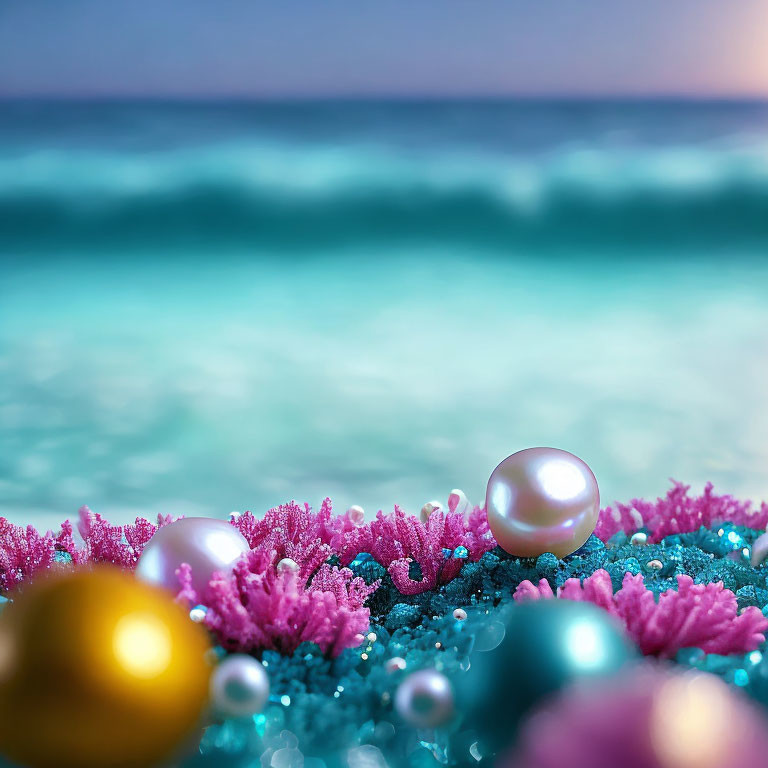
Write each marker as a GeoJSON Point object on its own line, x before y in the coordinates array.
{"type": "Point", "coordinates": [547, 644]}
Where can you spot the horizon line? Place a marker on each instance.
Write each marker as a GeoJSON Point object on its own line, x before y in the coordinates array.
{"type": "Point", "coordinates": [584, 97]}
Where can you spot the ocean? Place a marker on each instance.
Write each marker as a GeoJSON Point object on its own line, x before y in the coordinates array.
{"type": "Point", "coordinates": [208, 307]}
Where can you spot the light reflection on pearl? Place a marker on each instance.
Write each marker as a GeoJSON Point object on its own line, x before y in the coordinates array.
{"type": "Point", "coordinates": [584, 643]}
{"type": "Point", "coordinates": [561, 480]}
{"type": "Point", "coordinates": [542, 500]}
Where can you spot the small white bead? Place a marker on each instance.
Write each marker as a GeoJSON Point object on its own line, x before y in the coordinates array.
{"type": "Point", "coordinates": [639, 539]}
{"type": "Point", "coordinates": [286, 564]}
{"type": "Point", "coordinates": [460, 614]}
{"type": "Point", "coordinates": [395, 664]}
{"type": "Point", "coordinates": [198, 613]}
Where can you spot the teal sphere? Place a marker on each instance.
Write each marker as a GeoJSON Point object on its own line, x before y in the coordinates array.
{"type": "Point", "coordinates": [547, 644]}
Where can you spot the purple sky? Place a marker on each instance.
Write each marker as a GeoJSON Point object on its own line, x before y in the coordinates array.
{"type": "Point", "coordinates": [379, 47]}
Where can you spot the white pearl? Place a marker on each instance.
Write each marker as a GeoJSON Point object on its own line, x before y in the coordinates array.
{"type": "Point", "coordinates": [287, 564]}
{"type": "Point", "coordinates": [198, 613]}
{"type": "Point", "coordinates": [239, 686]}
{"type": "Point", "coordinates": [759, 550]}
{"type": "Point", "coordinates": [356, 515]}
{"type": "Point", "coordinates": [639, 539]}
{"type": "Point", "coordinates": [395, 664]}
{"type": "Point", "coordinates": [542, 500]}
{"type": "Point", "coordinates": [425, 699]}
{"type": "Point", "coordinates": [458, 502]}
{"type": "Point", "coordinates": [460, 614]}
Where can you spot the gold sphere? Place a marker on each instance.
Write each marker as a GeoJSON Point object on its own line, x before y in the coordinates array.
{"type": "Point", "coordinates": [98, 670]}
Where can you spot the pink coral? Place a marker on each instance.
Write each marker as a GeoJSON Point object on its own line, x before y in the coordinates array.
{"type": "Point", "coordinates": [23, 552]}
{"type": "Point", "coordinates": [295, 532]}
{"type": "Point", "coordinates": [617, 722]}
{"type": "Point", "coordinates": [258, 607]}
{"type": "Point", "coordinates": [396, 540]}
{"type": "Point", "coordinates": [702, 616]}
{"type": "Point", "coordinates": [678, 512]}
{"type": "Point", "coordinates": [106, 543]}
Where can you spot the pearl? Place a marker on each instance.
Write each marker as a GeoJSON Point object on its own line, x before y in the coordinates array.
{"type": "Point", "coordinates": [206, 544]}
{"type": "Point", "coordinates": [198, 613]}
{"type": "Point", "coordinates": [239, 686]}
{"type": "Point", "coordinates": [639, 539]}
{"type": "Point", "coordinates": [546, 645]}
{"type": "Point", "coordinates": [459, 614]}
{"type": "Point", "coordinates": [425, 699]}
{"type": "Point", "coordinates": [759, 550]}
{"type": "Point", "coordinates": [395, 664]}
{"type": "Point", "coordinates": [542, 500]}
{"type": "Point", "coordinates": [356, 515]}
{"type": "Point", "coordinates": [429, 508]}
{"type": "Point", "coordinates": [655, 565]}
{"type": "Point", "coordinates": [287, 564]}
{"type": "Point", "coordinates": [458, 502]}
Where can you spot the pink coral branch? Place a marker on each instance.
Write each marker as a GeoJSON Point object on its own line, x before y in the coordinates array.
{"type": "Point", "coordinates": [106, 543]}
{"type": "Point", "coordinates": [702, 616]}
{"type": "Point", "coordinates": [23, 553]}
{"type": "Point", "coordinates": [397, 540]}
{"type": "Point", "coordinates": [258, 607]}
{"type": "Point", "coordinates": [678, 512]}
{"type": "Point", "coordinates": [295, 532]}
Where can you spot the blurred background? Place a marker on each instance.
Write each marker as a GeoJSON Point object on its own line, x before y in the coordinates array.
{"type": "Point", "coordinates": [258, 252]}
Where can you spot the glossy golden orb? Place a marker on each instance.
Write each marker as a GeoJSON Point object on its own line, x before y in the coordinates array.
{"type": "Point", "coordinates": [99, 670]}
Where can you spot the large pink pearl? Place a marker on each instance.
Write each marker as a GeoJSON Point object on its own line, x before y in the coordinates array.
{"type": "Point", "coordinates": [542, 500]}
{"type": "Point", "coordinates": [206, 544]}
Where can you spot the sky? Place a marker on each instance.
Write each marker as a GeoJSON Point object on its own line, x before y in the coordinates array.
{"type": "Point", "coordinates": [279, 48]}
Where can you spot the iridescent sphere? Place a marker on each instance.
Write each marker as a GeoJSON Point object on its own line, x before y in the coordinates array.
{"type": "Point", "coordinates": [425, 699]}
{"type": "Point", "coordinates": [547, 644]}
{"type": "Point", "coordinates": [206, 544]}
{"type": "Point", "coordinates": [287, 565]}
{"type": "Point", "coordinates": [98, 670]}
{"type": "Point", "coordinates": [759, 550]}
{"type": "Point", "coordinates": [395, 664]}
{"type": "Point", "coordinates": [651, 718]}
{"type": "Point", "coordinates": [542, 500]}
{"type": "Point", "coordinates": [356, 515]}
{"type": "Point", "coordinates": [239, 686]}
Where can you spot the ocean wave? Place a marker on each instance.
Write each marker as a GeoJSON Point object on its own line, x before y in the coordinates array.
{"type": "Point", "coordinates": [302, 197]}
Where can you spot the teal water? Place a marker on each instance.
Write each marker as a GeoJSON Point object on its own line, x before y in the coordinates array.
{"type": "Point", "coordinates": [207, 308]}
